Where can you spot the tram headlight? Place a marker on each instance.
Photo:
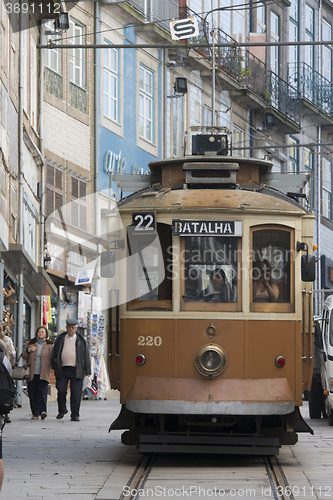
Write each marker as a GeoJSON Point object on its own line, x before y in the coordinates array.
{"type": "Point", "coordinates": [210, 360]}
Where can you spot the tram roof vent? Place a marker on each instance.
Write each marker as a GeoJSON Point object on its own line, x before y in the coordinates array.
{"type": "Point", "coordinates": [204, 173]}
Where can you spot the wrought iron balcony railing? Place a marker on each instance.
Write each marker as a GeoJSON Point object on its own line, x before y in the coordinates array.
{"type": "Point", "coordinates": [240, 64]}
{"type": "Point", "coordinates": [312, 86]}
{"type": "Point", "coordinates": [251, 72]}
{"type": "Point", "coordinates": [53, 82]}
{"type": "Point", "coordinates": [283, 97]}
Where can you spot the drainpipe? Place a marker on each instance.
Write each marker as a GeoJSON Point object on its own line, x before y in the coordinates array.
{"type": "Point", "coordinates": [165, 99]}
{"type": "Point", "coordinates": [42, 168]}
{"type": "Point", "coordinates": [319, 301]}
{"type": "Point", "coordinates": [20, 286]}
{"type": "Point", "coordinates": [97, 216]}
{"type": "Point", "coordinates": [41, 148]}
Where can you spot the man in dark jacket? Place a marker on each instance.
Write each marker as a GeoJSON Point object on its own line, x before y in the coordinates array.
{"type": "Point", "coordinates": [71, 362]}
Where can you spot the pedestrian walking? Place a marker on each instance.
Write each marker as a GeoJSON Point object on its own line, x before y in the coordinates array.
{"type": "Point", "coordinates": [71, 362]}
{"type": "Point", "coordinates": [38, 352]}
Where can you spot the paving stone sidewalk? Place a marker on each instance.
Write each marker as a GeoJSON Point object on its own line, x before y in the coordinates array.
{"type": "Point", "coordinates": [59, 459]}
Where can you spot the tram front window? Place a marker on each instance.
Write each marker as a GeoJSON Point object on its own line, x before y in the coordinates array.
{"type": "Point", "coordinates": [210, 268]}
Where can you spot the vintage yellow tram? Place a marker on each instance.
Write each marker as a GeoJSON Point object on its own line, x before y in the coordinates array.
{"type": "Point", "coordinates": [204, 366]}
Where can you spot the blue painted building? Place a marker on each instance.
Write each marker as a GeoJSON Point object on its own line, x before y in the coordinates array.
{"type": "Point", "coordinates": [129, 111]}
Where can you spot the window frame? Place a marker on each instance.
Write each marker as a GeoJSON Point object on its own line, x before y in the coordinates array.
{"type": "Point", "coordinates": [53, 189]}
{"type": "Point", "coordinates": [164, 233]}
{"type": "Point", "coordinates": [80, 202]}
{"type": "Point", "coordinates": [309, 29]}
{"type": "Point", "coordinates": [326, 51]}
{"type": "Point", "coordinates": [76, 54]}
{"type": "Point", "coordinates": [211, 306]}
{"type": "Point", "coordinates": [238, 139]}
{"type": "Point", "coordinates": [261, 18]}
{"type": "Point", "coordinates": [326, 161]}
{"type": "Point", "coordinates": [112, 74]}
{"type": "Point", "coordinates": [3, 191]}
{"type": "Point", "coordinates": [275, 37]}
{"type": "Point", "coordinates": [148, 97]}
{"type": "Point", "coordinates": [274, 307]}
{"type": "Point", "coordinates": [293, 156]}
{"type": "Point", "coordinates": [52, 54]}
{"type": "Point", "coordinates": [309, 168]}
{"type": "Point", "coordinates": [294, 32]}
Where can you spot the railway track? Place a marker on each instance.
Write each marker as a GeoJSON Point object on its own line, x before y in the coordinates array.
{"type": "Point", "coordinates": [164, 477]}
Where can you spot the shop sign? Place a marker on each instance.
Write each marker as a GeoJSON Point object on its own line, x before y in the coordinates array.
{"type": "Point", "coordinates": [114, 163]}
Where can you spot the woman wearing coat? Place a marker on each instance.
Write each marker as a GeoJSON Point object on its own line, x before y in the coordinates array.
{"type": "Point", "coordinates": [38, 352]}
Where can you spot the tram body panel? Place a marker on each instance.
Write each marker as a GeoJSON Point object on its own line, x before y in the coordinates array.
{"type": "Point", "coordinates": [251, 347]}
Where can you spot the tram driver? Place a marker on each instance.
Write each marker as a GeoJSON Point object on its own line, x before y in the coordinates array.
{"type": "Point", "coordinates": [264, 290]}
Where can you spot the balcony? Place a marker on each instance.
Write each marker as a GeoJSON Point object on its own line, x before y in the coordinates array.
{"type": "Point", "coordinates": [248, 78]}
{"type": "Point", "coordinates": [156, 11]}
{"type": "Point", "coordinates": [53, 82]}
{"type": "Point", "coordinates": [78, 97]}
{"type": "Point", "coordinates": [283, 98]}
{"type": "Point", "coordinates": [314, 89]}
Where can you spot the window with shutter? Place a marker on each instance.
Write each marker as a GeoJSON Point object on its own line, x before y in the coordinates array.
{"type": "Point", "coordinates": [54, 190]}
{"type": "Point", "coordinates": [79, 204]}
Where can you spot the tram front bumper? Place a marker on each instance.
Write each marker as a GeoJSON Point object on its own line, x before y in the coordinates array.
{"type": "Point", "coordinates": [160, 395]}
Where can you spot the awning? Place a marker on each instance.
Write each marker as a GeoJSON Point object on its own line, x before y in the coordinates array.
{"type": "Point", "coordinates": [133, 182]}
{"type": "Point", "coordinates": [86, 273]}
{"type": "Point", "coordinates": [35, 278]}
{"type": "Point", "coordinates": [289, 182]}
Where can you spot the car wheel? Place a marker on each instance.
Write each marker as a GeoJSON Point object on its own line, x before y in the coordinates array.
{"type": "Point", "coordinates": [316, 399]}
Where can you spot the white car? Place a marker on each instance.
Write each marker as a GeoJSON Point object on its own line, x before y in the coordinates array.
{"type": "Point", "coordinates": [321, 394]}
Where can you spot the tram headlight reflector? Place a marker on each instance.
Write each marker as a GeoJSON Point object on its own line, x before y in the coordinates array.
{"type": "Point", "coordinates": [210, 360]}
{"type": "Point", "coordinates": [140, 359]}
{"type": "Point", "coordinates": [280, 361]}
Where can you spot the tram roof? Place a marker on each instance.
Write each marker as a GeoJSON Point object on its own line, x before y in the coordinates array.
{"type": "Point", "coordinates": [261, 199]}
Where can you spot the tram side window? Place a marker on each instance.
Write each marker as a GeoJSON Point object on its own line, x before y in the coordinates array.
{"type": "Point", "coordinates": [150, 265]}
{"type": "Point", "coordinates": [210, 265]}
{"type": "Point", "coordinates": [271, 266]}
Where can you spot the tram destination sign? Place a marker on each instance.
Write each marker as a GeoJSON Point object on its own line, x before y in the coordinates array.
{"type": "Point", "coordinates": [206, 227]}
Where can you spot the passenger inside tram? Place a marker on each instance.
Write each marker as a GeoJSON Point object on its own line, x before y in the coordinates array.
{"type": "Point", "coordinates": [218, 289]}
{"type": "Point", "coordinates": [264, 290]}
{"type": "Point", "coordinates": [210, 269]}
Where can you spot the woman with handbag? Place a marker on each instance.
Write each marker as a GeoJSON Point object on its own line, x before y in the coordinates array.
{"type": "Point", "coordinates": [38, 352]}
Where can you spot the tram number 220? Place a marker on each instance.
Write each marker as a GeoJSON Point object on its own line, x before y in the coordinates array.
{"type": "Point", "coordinates": [150, 341]}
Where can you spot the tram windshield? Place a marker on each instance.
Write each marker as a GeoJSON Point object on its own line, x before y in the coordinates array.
{"type": "Point", "coordinates": [210, 268]}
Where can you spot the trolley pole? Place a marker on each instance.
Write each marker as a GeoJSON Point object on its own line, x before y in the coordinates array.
{"type": "Point", "coordinates": [213, 75]}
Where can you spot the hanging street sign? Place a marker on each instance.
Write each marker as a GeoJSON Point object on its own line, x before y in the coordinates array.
{"type": "Point", "coordinates": [184, 28]}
